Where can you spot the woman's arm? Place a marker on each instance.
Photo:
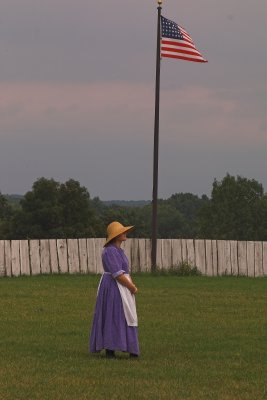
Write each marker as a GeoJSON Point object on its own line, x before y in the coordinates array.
{"type": "Point", "coordinates": [127, 282]}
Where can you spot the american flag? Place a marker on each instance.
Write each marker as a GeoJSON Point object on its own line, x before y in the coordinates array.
{"type": "Point", "coordinates": [177, 43]}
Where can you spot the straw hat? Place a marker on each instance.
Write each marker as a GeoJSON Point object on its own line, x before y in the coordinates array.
{"type": "Point", "coordinates": [116, 229]}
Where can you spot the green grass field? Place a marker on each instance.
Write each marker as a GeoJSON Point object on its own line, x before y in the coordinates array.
{"type": "Point", "coordinates": [201, 338]}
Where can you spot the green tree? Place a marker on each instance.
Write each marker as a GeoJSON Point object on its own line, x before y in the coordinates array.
{"type": "Point", "coordinates": [188, 205]}
{"type": "Point", "coordinates": [139, 216]}
{"type": "Point", "coordinates": [5, 215]}
{"type": "Point", "coordinates": [176, 216]}
{"type": "Point", "coordinates": [54, 210]}
{"type": "Point", "coordinates": [237, 210]}
{"type": "Point", "coordinates": [5, 207]}
{"type": "Point", "coordinates": [78, 218]}
{"type": "Point", "coordinates": [171, 223]}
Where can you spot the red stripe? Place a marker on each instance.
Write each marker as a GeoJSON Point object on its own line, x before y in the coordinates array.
{"type": "Point", "coordinates": [192, 53]}
{"type": "Point", "coordinates": [163, 41]}
{"type": "Point", "coordinates": [186, 36]}
{"type": "Point", "coordinates": [183, 58]}
{"type": "Point", "coordinates": [184, 32]}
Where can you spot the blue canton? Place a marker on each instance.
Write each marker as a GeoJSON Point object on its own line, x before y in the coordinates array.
{"type": "Point", "coordinates": [170, 29]}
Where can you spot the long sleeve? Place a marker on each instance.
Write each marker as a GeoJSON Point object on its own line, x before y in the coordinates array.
{"type": "Point", "coordinates": [112, 261]}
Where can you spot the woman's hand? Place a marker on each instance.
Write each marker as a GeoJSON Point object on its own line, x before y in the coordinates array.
{"type": "Point", "coordinates": [135, 290]}
{"type": "Point", "coordinates": [125, 281]}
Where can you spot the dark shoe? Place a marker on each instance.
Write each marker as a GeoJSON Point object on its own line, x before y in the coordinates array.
{"type": "Point", "coordinates": [133, 355]}
{"type": "Point", "coordinates": [110, 353]}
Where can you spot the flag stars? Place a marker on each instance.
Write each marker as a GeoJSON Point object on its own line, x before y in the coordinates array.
{"type": "Point", "coordinates": [177, 43]}
{"type": "Point", "coordinates": [170, 29]}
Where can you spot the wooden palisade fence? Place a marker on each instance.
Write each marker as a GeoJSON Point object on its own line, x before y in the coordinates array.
{"type": "Point", "coordinates": [212, 257]}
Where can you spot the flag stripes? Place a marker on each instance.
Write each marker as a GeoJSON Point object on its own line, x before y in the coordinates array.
{"type": "Point", "coordinates": [177, 43]}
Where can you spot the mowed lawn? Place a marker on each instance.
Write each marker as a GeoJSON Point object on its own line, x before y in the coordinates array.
{"type": "Point", "coordinates": [201, 338]}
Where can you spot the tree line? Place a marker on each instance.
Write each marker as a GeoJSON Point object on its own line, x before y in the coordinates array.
{"type": "Point", "coordinates": [236, 210]}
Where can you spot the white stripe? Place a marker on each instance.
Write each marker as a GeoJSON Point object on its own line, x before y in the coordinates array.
{"type": "Point", "coordinates": [173, 40]}
{"type": "Point", "coordinates": [186, 35]}
{"type": "Point", "coordinates": [170, 47]}
{"type": "Point", "coordinates": [182, 55]}
{"type": "Point", "coordinates": [191, 45]}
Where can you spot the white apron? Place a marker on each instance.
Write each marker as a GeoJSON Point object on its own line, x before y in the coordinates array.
{"type": "Point", "coordinates": [128, 302]}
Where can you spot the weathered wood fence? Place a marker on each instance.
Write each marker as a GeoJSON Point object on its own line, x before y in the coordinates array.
{"type": "Point", "coordinates": [212, 257]}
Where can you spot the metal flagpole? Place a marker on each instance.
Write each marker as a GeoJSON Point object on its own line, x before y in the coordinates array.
{"type": "Point", "coordinates": [156, 148]}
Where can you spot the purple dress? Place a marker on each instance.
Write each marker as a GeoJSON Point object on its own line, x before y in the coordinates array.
{"type": "Point", "coordinates": [110, 329]}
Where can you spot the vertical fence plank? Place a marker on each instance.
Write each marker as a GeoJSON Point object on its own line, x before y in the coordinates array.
{"type": "Point", "coordinates": [15, 258]}
{"type": "Point", "coordinates": [53, 256]}
{"type": "Point", "coordinates": [148, 255]}
{"type": "Point", "coordinates": [91, 255]}
{"type": "Point", "coordinates": [8, 258]}
{"type": "Point", "coordinates": [250, 258]}
{"type": "Point", "coordinates": [24, 257]}
{"type": "Point", "coordinates": [242, 258]}
{"type": "Point", "coordinates": [166, 252]}
{"type": "Point", "coordinates": [128, 249]}
{"type": "Point", "coordinates": [228, 267]}
{"type": "Point", "coordinates": [45, 256]}
{"type": "Point", "coordinates": [234, 260]}
{"type": "Point", "coordinates": [159, 253]}
{"type": "Point", "coordinates": [191, 256]}
{"type": "Point", "coordinates": [200, 255]}
{"type": "Point", "coordinates": [214, 257]}
{"type": "Point", "coordinates": [224, 257]}
{"type": "Point", "coordinates": [73, 256]}
{"type": "Point", "coordinates": [62, 256]}
{"type": "Point", "coordinates": [35, 260]}
{"type": "Point", "coordinates": [264, 261]}
{"type": "Point", "coordinates": [135, 255]}
{"type": "Point", "coordinates": [258, 259]}
{"type": "Point", "coordinates": [99, 244]}
{"type": "Point", "coordinates": [126, 246]}
{"type": "Point", "coordinates": [176, 252]}
{"type": "Point", "coordinates": [209, 266]}
{"type": "Point", "coordinates": [83, 255]}
{"type": "Point", "coordinates": [221, 257]}
{"type": "Point", "coordinates": [184, 250]}
{"type": "Point", "coordinates": [2, 258]}
{"type": "Point", "coordinates": [142, 254]}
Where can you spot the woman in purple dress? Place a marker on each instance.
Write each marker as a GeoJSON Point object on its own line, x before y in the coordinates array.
{"type": "Point", "coordinates": [115, 320]}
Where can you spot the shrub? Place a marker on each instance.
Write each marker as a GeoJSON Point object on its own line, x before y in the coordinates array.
{"type": "Point", "coordinates": [184, 268]}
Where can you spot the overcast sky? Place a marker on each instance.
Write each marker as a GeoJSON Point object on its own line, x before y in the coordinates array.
{"type": "Point", "coordinates": [77, 83]}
